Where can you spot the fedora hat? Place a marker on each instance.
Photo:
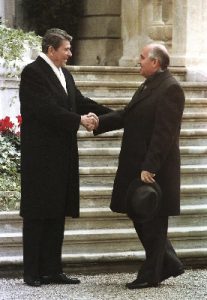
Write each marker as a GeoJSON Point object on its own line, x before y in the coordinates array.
{"type": "Point", "coordinates": [143, 200]}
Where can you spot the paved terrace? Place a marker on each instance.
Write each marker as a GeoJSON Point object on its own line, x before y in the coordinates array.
{"type": "Point", "coordinates": [190, 286]}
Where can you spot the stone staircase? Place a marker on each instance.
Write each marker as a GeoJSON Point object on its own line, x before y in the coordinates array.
{"type": "Point", "coordinates": [101, 237]}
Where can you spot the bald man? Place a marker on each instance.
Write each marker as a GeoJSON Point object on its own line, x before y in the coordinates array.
{"type": "Point", "coordinates": [150, 152]}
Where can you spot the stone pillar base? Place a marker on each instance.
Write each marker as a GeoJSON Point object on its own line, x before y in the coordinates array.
{"type": "Point", "coordinates": [177, 61]}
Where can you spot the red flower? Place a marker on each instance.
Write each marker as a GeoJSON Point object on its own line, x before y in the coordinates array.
{"type": "Point", "coordinates": [6, 124]}
{"type": "Point", "coordinates": [19, 119]}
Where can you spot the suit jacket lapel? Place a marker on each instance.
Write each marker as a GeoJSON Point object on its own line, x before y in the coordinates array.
{"type": "Point", "coordinates": [54, 80]}
{"type": "Point", "coordinates": [70, 89]}
{"type": "Point", "coordinates": [141, 95]}
{"type": "Point", "coordinates": [138, 96]}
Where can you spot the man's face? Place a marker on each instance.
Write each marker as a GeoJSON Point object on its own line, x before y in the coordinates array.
{"type": "Point", "coordinates": [148, 66]}
{"type": "Point", "coordinates": [61, 55]}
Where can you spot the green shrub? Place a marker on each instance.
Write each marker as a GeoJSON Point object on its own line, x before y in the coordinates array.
{"type": "Point", "coordinates": [13, 45]}
{"type": "Point", "coordinates": [9, 164]}
{"type": "Point", "coordinates": [12, 42]}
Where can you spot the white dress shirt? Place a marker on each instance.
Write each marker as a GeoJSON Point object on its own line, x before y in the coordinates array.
{"type": "Point", "coordinates": [58, 71]}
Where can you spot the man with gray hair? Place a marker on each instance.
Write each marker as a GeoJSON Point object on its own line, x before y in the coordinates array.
{"type": "Point", "coordinates": [150, 159]}
{"type": "Point", "coordinates": [52, 110]}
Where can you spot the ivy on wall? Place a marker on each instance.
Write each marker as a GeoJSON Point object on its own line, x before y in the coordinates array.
{"type": "Point", "coordinates": [13, 46]}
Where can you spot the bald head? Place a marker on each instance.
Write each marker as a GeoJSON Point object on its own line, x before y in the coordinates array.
{"type": "Point", "coordinates": [153, 58]}
{"type": "Point", "coordinates": [159, 52]}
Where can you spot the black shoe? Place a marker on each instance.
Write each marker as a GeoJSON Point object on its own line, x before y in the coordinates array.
{"type": "Point", "coordinates": [59, 279]}
{"type": "Point", "coordinates": [138, 284]}
{"type": "Point", "coordinates": [173, 274]}
{"type": "Point", "coordinates": [32, 281]}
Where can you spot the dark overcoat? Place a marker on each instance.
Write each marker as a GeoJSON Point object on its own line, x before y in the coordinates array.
{"type": "Point", "coordinates": [49, 152]}
{"type": "Point", "coordinates": [150, 142]}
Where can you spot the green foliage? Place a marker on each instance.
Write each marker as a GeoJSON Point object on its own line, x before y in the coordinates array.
{"type": "Point", "coordinates": [9, 193]}
{"type": "Point", "coordinates": [9, 155]}
{"type": "Point", "coordinates": [44, 14]}
{"type": "Point", "coordinates": [9, 172]}
{"type": "Point", "coordinates": [9, 164]}
{"type": "Point", "coordinates": [12, 42]}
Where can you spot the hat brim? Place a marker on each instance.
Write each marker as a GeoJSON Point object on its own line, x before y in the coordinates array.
{"type": "Point", "coordinates": [143, 200]}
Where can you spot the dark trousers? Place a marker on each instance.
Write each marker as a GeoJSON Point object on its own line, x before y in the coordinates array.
{"type": "Point", "coordinates": [161, 258]}
{"type": "Point", "coordinates": [42, 246]}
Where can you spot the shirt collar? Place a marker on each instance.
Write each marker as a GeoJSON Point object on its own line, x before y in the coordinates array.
{"type": "Point", "coordinates": [153, 76]}
{"type": "Point", "coordinates": [56, 70]}
{"type": "Point", "coordinates": [49, 61]}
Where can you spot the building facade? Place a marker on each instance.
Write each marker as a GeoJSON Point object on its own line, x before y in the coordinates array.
{"type": "Point", "coordinates": [113, 32]}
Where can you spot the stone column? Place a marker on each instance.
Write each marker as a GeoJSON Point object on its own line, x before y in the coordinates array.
{"type": "Point", "coordinates": [160, 28]}
{"type": "Point", "coordinates": [130, 32]}
{"type": "Point", "coordinates": [99, 34]}
{"type": "Point", "coordinates": [189, 41]}
{"type": "Point", "coordinates": [19, 15]}
{"type": "Point", "coordinates": [135, 17]}
{"type": "Point", "coordinates": [2, 11]}
{"type": "Point", "coordinates": [10, 12]}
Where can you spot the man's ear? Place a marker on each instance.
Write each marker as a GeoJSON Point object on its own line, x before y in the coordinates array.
{"type": "Point", "coordinates": [156, 63]}
{"type": "Point", "coordinates": [50, 50]}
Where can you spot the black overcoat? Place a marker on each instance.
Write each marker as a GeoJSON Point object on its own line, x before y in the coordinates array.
{"type": "Point", "coordinates": [49, 152]}
{"type": "Point", "coordinates": [150, 142]}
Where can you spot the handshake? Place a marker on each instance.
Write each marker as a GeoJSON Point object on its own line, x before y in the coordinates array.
{"type": "Point", "coordinates": [90, 121]}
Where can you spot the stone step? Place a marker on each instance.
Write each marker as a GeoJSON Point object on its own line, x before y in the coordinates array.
{"type": "Point", "coordinates": [99, 196]}
{"type": "Point", "coordinates": [97, 176]}
{"type": "Point", "coordinates": [82, 260]}
{"type": "Point", "coordinates": [87, 139]}
{"type": "Point", "coordinates": [196, 197]}
{"type": "Point", "coordinates": [127, 89]}
{"type": "Point", "coordinates": [194, 120]}
{"type": "Point", "coordinates": [193, 155]}
{"type": "Point", "coordinates": [188, 137]}
{"type": "Point", "coordinates": [115, 74]}
{"type": "Point", "coordinates": [109, 156]}
{"type": "Point", "coordinates": [193, 174]}
{"type": "Point", "coordinates": [108, 240]}
{"type": "Point", "coordinates": [191, 104]}
{"type": "Point", "coordinates": [102, 73]}
{"type": "Point", "coordinates": [196, 104]}
{"type": "Point", "coordinates": [193, 137]}
{"type": "Point", "coordinates": [104, 218]}
{"type": "Point", "coordinates": [98, 156]}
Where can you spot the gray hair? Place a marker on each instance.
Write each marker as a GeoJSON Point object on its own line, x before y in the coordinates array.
{"type": "Point", "coordinates": [160, 53]}
{"type": "Point", "coordinates": [54, 37]}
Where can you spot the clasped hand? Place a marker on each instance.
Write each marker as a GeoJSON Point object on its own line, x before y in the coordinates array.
{"type": "Point", "coordinates": [90, 121]}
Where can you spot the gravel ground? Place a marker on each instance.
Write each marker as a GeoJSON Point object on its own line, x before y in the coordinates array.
{"type": "Point", "coordinates": [190, 286]}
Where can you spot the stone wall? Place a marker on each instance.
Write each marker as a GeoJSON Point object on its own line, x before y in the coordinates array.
{"type": "Point", "coordinates": [99, 33]}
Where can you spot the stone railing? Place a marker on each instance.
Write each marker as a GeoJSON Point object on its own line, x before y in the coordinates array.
{"type": "Point", "coordinates": [160, 29]}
